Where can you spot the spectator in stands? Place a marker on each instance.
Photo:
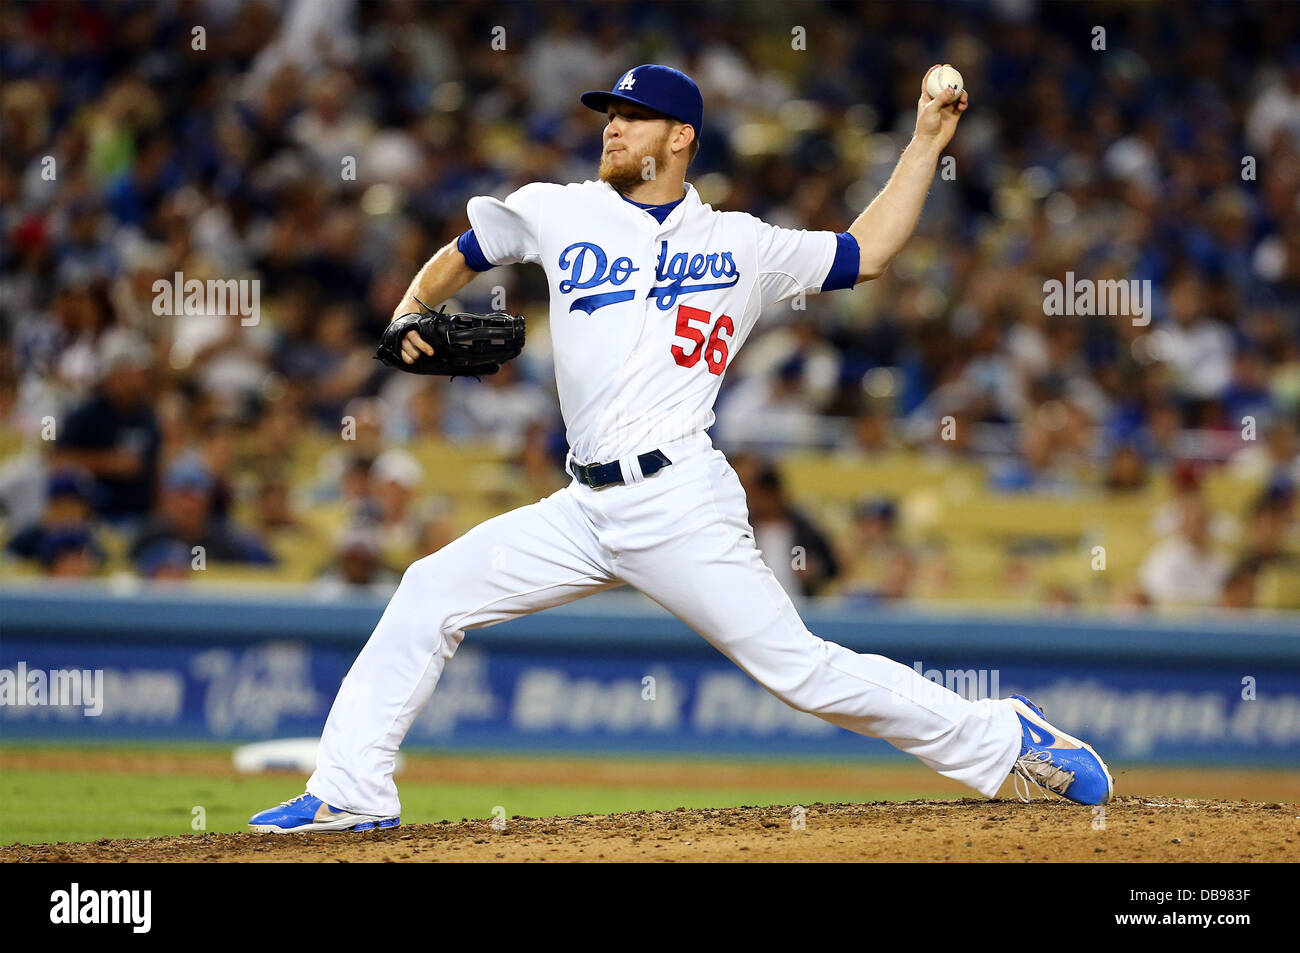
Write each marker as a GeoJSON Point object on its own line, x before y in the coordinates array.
{"type": "Point", "coordinates": [23, 484]}
{"type": "Point", "coordinates": [361, 440]}
{"type": "Point", "coordinates": [357, 486]}
{"type": "Point", "coordinates": [70, 553]}
{"type": "Point", "coordinates": [879, 567]}
{"type": "Point", "coordinates": [1159, 440]}
{"type": "Point", "coordinates": [273, 515]}
{"type": "Point", "coordinates": [396, 477]}
{"type": "Point", "coordinates": [84, 319]}
{"type": "Point", "coordinates": [944, 425]}
{"type": "Point", "coordinates": [1048, 457]}
{"type": "Point", "coordinates": [68, 514]}
{"type": "Point", "coordinates": [1197, 346]}
{"type": "Point", "coordinates": [217, 454]}
{"type": "Point", "coordinates": [357, 563]}
{"type": "Point", "coordinates": [1239, 588]}
{"type": "Point", "coordinates": [344, 364]}
{"type": "Point", "coordinates": [274, 505]}
{"type": "Point", "coordinates": [872, 434]}
{"type": "Point", "coordinates": [221, 357]}
{"type": "Point", "coordinates": [1274, 457]}
{"type": "Point", "coordinates": [115, 434]}
{"type": "Point", "coordinates": [277, 431]}
{"type": "Point", "coordinates": [185, 516]}
{"type": "Point", "coordinates": [416, 407]}
{"type": "Point", "coordinates": [1187, 480]}
{"type": "Point", "coordinates": [1248, 393]}
{"type": "Point", "coordinates": [1268, 528]}
{"type": "Point", "coordinates": [542, 473]}
{"type": "Point", "coordinates": [166, 559]}
{"type": "Point", "coordinates": [437, 525]}
{"type": "Point", "coordinates": [799, 344]}
{"type": "Point", "coordinates": [792, 546]}
{"type": "Point", "coordinates": [1060, 599]}
{"type": "Point", "coordinates": [498, 411]}
{"type": "Point", "coordinates": [332, 128]}
{"type": "Point", "coordinates": [1184, 569]}
{"type": "Point", "coordinates": [769, 412]}
{"type": "Point", "coordinates": [1126, 470]}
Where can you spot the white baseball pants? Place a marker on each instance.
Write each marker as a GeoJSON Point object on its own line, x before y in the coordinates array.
{"type": "Point", "coordinates": [682, 537]}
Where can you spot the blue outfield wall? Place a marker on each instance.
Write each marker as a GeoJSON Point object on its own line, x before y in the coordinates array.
{"type": "Point", "coordinates": [195, 665]}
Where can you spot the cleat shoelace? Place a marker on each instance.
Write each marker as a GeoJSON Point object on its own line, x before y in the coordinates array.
{"type": "Point", "coordinates": [1036, 768]}
{"type": "Point", "coordinates": [292, 801]}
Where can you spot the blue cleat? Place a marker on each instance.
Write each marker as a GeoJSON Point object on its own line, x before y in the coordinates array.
{"type": "Point", "coordinates": [1052, 761]}
{"type": "Point", "coordinates": [307, 813]}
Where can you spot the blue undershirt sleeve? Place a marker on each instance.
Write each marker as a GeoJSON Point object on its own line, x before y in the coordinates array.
{"type": "Point", "coordinates": [844, 269]}
{"type": "Point", "coordinates": [468, 245]}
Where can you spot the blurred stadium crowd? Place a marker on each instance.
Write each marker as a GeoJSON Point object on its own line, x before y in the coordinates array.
{"type": "Point", "coordinates": [929, 435]}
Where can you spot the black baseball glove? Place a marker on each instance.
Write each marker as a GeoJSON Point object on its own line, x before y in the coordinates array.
{"type": "Point", "coordinates": [463, 344]}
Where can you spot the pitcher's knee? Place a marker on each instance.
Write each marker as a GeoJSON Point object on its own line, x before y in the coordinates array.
{"type": "Point", "coordinates": [429, 591]}
{"type": "Point", "coordinates": [426, 565]}
{"type": "Point", "coordinates": [806, 683]}
{"type": "Point", "coordinates": [433, 574]}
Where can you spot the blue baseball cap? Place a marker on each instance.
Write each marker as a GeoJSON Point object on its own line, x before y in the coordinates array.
{"type": "Point", "coordinates": [660, 88]}
{"type": "Point", "coordinates": [164, 554]}
{"type": "Point", "coordinates": [71, 481]}
{"type": "Point", "coordinates": [60, 540]}
{"type": "Point", "coordinates": [188, 474]}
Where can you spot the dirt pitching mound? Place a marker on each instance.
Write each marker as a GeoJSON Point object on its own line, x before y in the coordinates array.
{"type": "Point", "coordinates": [1129, 829]}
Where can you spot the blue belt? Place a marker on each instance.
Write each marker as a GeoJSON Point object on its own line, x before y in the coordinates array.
{"type": "Point", "coordinates": [597, 475]}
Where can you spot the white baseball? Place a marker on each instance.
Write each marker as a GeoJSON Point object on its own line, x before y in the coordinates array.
{"type": "Point", "coordinates": [944, 77]}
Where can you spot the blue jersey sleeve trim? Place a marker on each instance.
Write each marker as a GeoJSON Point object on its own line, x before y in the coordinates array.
{"type": "Point", "coordinates": [844, 269]}
{"type": "Point", "coordinates": [469, 247]}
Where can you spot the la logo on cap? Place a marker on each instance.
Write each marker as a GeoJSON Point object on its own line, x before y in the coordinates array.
{"type": "Point", "coordinates": [627, 80]}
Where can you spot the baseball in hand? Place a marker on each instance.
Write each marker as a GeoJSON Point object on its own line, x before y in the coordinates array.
{"type": "Point", "coordinates": [945, 77]}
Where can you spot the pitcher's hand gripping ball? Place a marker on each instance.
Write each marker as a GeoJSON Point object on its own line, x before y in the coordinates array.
{"type": "Point", "coordinates": [463, 344]}
{"type": "Point", "coordinates": [945, 77]}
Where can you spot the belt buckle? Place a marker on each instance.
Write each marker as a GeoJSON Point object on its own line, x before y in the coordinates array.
{"type": "Point", "coordinates": [583, 473]}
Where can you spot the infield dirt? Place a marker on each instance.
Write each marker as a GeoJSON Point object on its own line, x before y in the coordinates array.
{"type": "Point", "coordinates": [1129, 829]}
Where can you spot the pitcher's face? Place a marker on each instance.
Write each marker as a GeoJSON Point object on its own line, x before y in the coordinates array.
{"type": "Point", "coordinates": [633, 134]}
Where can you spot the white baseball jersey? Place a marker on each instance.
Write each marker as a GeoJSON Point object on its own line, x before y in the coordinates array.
{"type": "Point", "coordinates": [646, 317]}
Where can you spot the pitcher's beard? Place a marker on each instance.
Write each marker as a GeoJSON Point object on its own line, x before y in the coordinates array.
{"type": "Point", "coordinates": [628, 175]}
{"type": "Point", "coordinates": [623, 176]}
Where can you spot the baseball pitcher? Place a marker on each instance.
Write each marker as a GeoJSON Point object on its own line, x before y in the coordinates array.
{"type": "Point", "coordinates": [652, 294]}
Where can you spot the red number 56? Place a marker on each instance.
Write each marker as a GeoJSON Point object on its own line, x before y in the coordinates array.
{"type": "Point", "coordinates": [714, 350]}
